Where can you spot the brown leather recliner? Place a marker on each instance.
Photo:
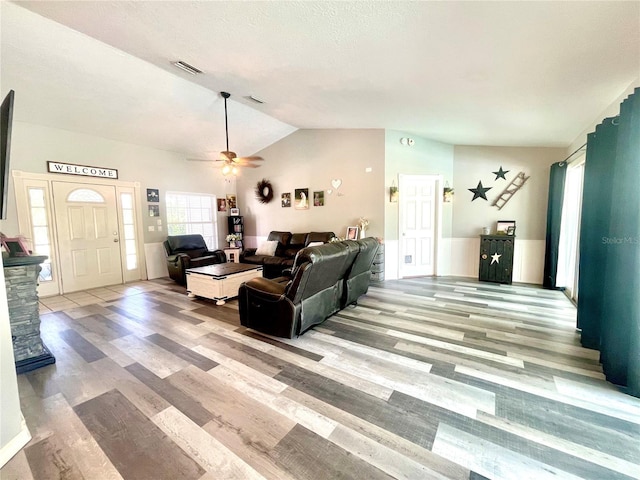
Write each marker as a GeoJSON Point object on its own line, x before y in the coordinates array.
{"type": "Point", "coordinates": [189, 251]}
{"type": "Point", "coordinates": [287, 307]}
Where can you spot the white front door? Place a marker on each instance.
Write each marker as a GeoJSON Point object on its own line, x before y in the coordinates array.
{"type": "Point", "coordinates": [88, 235]}
{"type": "Point", "coordinates": [418, 225]}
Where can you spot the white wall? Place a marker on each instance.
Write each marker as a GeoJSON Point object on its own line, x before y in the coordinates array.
{"type": "Point", "coordinates": [425, 157]}
{"type": "Point", "coordinates": [611, 110]}
{"type": "Point", "coordinates": [13, 430]}
{"type": "Point", "coordinates": [312, 159]}
{"type": "Point", "coordinates": [528, 206]}
{"type": "Point", "coordinates": [34, 145]}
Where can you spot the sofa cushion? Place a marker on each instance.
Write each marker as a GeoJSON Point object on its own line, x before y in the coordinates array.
{"type": "Point", "coordinates": [254, 259]}
{"type": "Point", "coordinates": [283, 240]}
{"type": "Point", "coordinates": [195, 253]}
{"type": "Point", "coordinates": [203, 261]}
{"type": "Point", "coordinates": [267, 248]}
{"type": "Point", "coordinates": [183, 243]}
{"type": "Point", "coordinates": [323, 237]}
{"type": "Point", "coordinates": [298, 239]}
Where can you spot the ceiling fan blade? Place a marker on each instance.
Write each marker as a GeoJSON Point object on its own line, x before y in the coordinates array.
{"type": "Point", "coordinates": [251, 159]}
{"type": "Point", "coordinates": [249, 165]}
{"type": "Point", "coordinates": [227, 156]}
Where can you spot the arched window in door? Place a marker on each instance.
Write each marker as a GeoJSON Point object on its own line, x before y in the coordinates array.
{"type": "Point", "coordinates": [85, 195]}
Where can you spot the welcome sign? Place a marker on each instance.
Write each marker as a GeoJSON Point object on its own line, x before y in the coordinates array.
{"type": "Point", "coordinates": [70, 169]}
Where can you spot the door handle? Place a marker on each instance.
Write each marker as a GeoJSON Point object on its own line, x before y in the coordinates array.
{"type": "Point", "coordinates": [116, 240]}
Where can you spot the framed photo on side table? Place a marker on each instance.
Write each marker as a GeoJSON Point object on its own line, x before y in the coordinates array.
{"type": "Point", "coordinates": [352, 233]}
{"type": "Point", "coordinates": [234, 212]}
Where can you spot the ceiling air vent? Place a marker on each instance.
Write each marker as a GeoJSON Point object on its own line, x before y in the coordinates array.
{"type": "Point", "coordinates": [187, 68]}
{"type": "Point", "coordinates": [255, 99]}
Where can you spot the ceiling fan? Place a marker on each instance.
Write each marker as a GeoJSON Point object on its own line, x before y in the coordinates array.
{"type": "Point", "coordinates": [228, 159]}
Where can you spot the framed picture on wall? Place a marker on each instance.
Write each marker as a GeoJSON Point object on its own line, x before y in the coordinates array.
{"type": "Point", "coordinates": [302, 198]}
{"type": "Point", "coordinates": [231, 201]}
{"type": "Point", "coordinates": [222, 204]}
{"type": "Point", "coordinates": [318, 199]}
{"type": "Point", "coordinates": [153, 195]}
{"type": "Point", "coordinates": [286, 199]}
{"type": "Point", "coordinates": [154, 210]}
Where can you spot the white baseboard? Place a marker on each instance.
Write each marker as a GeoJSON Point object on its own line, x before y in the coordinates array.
{"type": "Point", "coordinates": [15, 444]}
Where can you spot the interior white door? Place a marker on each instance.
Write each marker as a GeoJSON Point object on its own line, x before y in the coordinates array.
{"type": "Point", "coordinates": [88, 235]}
{"type": "Point", "coordinates": [418, 228]}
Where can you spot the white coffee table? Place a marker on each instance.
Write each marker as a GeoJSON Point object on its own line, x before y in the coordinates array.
{"type": "Point", "coordinates": [220, 282]}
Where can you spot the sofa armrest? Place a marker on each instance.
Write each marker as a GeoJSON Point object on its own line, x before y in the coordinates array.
{"type": "Point", "coordinates": [220, 256]}
{"type": "Point", "coordinates": [247, 252]}
{"type": "Point", "coordinates": [266, 289]}
{"type": "Point", "coordinates": [179, 258]}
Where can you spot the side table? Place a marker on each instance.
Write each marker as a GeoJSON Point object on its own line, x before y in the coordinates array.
{"type": "Point", "coordinates": [233, 254]}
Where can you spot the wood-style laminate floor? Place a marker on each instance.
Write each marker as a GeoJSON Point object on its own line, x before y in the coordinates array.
{"type": "Point", "coordinates": [425, 378]}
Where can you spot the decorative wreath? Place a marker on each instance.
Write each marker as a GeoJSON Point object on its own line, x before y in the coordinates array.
{"type": "Point", "coordinates": [264, 191]}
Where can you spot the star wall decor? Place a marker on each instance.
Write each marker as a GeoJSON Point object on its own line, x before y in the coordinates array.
{"type": "Point", "coordinates": [479, 191]}
{"type": "Point", "coordinates": [501, 173]}
{"type": "Point", "coordinates": [495, 258]}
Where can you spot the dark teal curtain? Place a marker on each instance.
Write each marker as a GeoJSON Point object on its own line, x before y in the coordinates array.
{"type": "Point", "coordinates": [554, 218]}
{"type": "Point", "coordinates": [609, 283]}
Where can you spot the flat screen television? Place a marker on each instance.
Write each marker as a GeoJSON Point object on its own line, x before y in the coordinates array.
{"type": "Point", "coordinates": [6, 118]}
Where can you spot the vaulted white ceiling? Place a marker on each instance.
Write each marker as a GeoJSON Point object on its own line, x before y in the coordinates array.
{"type": "Point", "coordinates": [483, 73]}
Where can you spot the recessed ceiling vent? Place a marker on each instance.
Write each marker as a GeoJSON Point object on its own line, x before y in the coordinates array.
{"type": "Point", "coordinates": [187, 68]}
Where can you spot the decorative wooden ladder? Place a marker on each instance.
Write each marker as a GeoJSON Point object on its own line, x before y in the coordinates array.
{"type": "Point", "coordinates": [515, 185]}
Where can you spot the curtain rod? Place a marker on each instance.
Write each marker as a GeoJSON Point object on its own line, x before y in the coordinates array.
{"type": "Point", "coordinates": [572, 154]}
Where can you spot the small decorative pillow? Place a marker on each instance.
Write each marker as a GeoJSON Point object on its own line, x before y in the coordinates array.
{"type": "Point", "coordinates": [267, 247]}
{"type": "Point", "coordinates": [315, 244]}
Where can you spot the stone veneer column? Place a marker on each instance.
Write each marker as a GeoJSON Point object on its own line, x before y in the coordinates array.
{"type": "Point", "coordinates": [21, 282]}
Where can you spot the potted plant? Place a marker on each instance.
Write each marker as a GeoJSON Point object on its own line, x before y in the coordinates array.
{"type": "Point", "coordinates": [232, 238]}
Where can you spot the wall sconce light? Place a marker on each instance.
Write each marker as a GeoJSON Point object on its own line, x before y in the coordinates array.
{"type": "Point", "coordinates": [447, 193]}
{"type": "Point", "coordinates": [393, 192]}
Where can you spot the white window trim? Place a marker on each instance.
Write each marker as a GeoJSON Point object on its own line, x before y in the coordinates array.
{"type": "Point", "coordinates": [22, 180]}
{"type": "Point", "coordinates": [214, 213]}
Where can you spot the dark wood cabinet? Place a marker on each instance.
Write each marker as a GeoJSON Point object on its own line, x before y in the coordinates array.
{"type": "Point", "coordinates": [496, 258]}
{"type": "Point", "coordinates": [236, 225]}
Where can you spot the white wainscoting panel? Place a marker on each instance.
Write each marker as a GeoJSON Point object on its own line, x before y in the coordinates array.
{"type": "Point", "coordinates": [528, 259]}
{"type": "Point", "coordinates": [156, 259]}
{"type": "Point", "coordinates": [391, 265]}
{"type": "Point", "coordinates": [251, 241]}
{"type": "Point", "coordinates": [444, 257]}
{"type": "Point", "coordinates": [464, 257]}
